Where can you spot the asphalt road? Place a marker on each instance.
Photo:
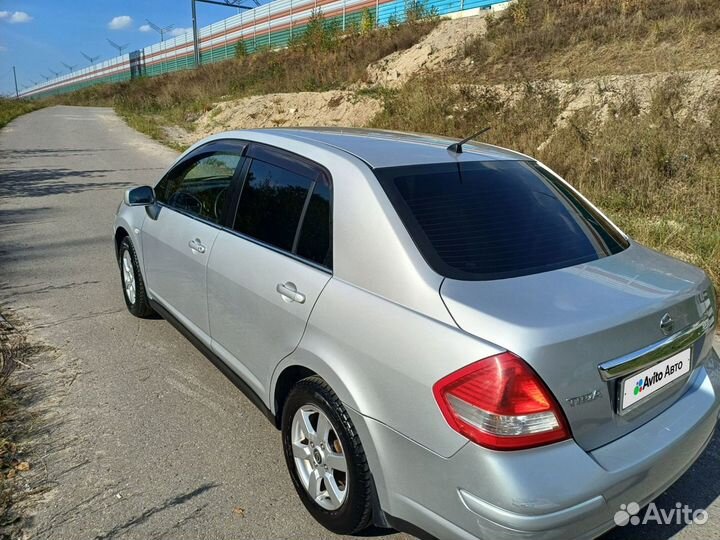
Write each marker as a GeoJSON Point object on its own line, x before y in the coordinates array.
{"type": "Point", "coordinates": [139, 436]}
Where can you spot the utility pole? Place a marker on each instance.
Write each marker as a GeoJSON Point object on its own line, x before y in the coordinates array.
{"type": "Point", "coordinates": [196, 38]}
{"type": "Point", "coordinates": [17, 94]}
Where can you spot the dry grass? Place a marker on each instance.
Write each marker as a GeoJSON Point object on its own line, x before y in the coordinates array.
{"type": "Point", "coordinates": [313, 65]}
{"type": "Point", "coordinates": [582, 38]}
{"type": "Point", "coordinates": [655, 170]}
{"type": "Point", "coordinates": [15, 352]}
{"type": "Point", "coordinates": [656, 173]}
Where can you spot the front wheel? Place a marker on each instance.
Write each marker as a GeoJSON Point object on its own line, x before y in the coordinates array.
{"type": "Point", "coordinates": [133, 285]}
{"type": "Point", "coordinates": [325, 458]}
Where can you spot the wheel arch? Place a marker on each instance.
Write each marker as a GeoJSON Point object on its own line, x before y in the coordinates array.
{"type": "Point", "coordinates": [128, 224]}
{"type": "Point", "coordinates": [286, 379]}
{"type": "Point", "coordinates": [304, 363]}
{"type": "Point", "coordinates": [120, 233]}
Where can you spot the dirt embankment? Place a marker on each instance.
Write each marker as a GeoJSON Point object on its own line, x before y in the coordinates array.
{"type": "Point", "coordinates": [356, 107]}
{"type": "Point", "coordinates": [332, 108]}
{"type": "Point", "coordinates": [603, 97]}
{"type": "Point", "coordinates": [431, 53]}
{"type": "Point", "coordinates": [349, 108]}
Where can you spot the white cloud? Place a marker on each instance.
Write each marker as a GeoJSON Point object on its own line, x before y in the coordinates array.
{"type": "Point", "coordinates": [145, 28]}
{"type": "Point", "coordinates": [180, 31]}
{"type": "Point", "coordinates": [120, 22]}
{"type": "Point", "coordinates": [15, 17]}
{"type": "Point", "coordinates": [20, 17]}
{"type": "Point", "coordinates": [3, 48]}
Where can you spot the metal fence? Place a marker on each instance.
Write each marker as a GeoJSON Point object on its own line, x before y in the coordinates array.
{"type": "Point", "coordinates": [272, 26]}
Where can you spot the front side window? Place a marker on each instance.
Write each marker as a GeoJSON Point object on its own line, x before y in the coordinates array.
{"type": "Point", "coordinates": [487, 220]}
{"type": "Point", "coordinates": [200, 187]}
{"type": "Point", "coordinates": [289, 210]}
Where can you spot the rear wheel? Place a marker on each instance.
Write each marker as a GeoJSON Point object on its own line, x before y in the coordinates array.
{"type": "Point", "coordinates": [325, 458]}
{"type": "Point", "coordinates": [133, 285]}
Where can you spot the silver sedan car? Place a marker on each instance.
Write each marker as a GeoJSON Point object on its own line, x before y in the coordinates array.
{"type": "Point", "coordinates": [452, 340]}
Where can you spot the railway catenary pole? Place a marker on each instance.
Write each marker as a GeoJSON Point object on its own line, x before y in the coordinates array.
{"type": "Point", "coordinates": [226, 3]}
{"type": "Point", "coordinates": [17, 94]}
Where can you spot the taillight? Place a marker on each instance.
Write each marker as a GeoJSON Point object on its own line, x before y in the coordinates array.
{"type": "Point", "coordinates": [501, 403]}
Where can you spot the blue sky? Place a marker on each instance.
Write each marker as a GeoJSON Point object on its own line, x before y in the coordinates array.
{"type": "Point", "coordinates": [38, 35]}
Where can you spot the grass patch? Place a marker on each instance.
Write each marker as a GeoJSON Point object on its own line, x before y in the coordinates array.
{"type": "Point", "coordinates": [12, 108]}
{"type": "Point", "coordinates": [570, 39]}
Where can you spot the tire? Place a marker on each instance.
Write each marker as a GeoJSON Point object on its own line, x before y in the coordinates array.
{"type": "Point", "coordinates": [354, 514]}
{"type": "Point", "coordinates": [136, 300]}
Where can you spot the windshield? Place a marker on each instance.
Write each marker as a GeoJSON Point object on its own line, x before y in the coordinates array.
{"type": "Point", "coordinates": [486, 220]}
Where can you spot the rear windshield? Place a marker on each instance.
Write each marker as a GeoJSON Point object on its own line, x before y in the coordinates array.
{"type": "Point", "coordinates": [496, 219]}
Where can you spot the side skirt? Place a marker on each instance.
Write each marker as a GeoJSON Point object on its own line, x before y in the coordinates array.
{"type": "Point", "coordinates": [403, 526]}
{"type": "Point", "coordinates": [215, 359]}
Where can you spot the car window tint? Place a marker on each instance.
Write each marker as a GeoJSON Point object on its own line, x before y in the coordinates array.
{"type": "Point", "coordinates": [496, 219]}
{"type": "Point", "coordinates": [271, 204]}
{"type": "Point", "coordinates": [201, 186]}
{"type": "Point", "coordinates": [314, 239]}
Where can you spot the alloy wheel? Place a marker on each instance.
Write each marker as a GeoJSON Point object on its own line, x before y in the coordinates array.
{"type": "Point", "coordinates": [319, 457]}
{"type": "Point", "coordinates": [128, 272]}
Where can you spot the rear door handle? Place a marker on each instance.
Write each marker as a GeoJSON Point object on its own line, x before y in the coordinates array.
{"type": "Point", "coordinates": [196, 245]}
{"type": "Point", "coordinates": [289, 292]}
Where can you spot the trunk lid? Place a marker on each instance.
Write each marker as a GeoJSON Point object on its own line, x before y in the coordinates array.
{"type": "Point", "coordinates": [567, 322]}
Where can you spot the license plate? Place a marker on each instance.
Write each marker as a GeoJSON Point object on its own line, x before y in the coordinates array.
{"type": "Point", "coordinates": [638, 387]}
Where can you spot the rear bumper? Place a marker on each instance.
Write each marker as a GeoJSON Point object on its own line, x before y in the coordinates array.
{"type": "Point", "coordinates": [558, 491]}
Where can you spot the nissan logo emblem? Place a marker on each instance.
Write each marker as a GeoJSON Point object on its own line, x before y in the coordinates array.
{"type": "Point", "coordinates": [667, 324]}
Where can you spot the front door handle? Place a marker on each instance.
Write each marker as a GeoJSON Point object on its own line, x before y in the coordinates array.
{"type": "Point", "coordinates": [196, 245]}
{"type": "Point", "coordinates": [289, 292]}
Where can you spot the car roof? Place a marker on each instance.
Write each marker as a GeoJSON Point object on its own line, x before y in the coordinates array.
{"type": "Point", "coordinates": [381, 148]}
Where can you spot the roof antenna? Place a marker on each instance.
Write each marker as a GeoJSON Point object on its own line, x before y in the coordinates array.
{"type": "Point", "coordinates": [457, 147]}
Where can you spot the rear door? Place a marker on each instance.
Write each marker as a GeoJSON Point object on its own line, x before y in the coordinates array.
{"type": "Point", "coordinates": [180, 232]}
{"type": "Point", "coordinates": [268, 267]}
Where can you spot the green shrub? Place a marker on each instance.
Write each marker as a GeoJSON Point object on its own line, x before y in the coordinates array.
{"type": "Point", "coordinates": [367, 21]}
{"type": "Point", "coordinates": [417, 10]}
{"type": "Point", "coordinates": [241, 49]}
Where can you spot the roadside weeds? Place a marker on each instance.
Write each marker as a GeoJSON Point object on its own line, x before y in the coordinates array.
{"type": "Point", "coordinates": [16, 427]}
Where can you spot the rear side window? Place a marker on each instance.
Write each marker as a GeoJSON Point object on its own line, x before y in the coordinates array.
{"type": "Point", "coordinates": [286, 209]}
{"type": "Point", "coordinates": [496, 219]}
{"type": "Point", "coordinates": [314, 238]}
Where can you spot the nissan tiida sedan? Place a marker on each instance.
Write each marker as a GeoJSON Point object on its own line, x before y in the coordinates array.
{"type": "Point", "coordinates": [452, 340]}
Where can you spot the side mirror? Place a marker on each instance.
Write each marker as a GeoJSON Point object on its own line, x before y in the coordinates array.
{"type": "Point", "coordinates": [140, 196]}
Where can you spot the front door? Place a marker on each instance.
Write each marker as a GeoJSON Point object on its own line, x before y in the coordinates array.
{"type": "Point", "coordinates": [178, 236]}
